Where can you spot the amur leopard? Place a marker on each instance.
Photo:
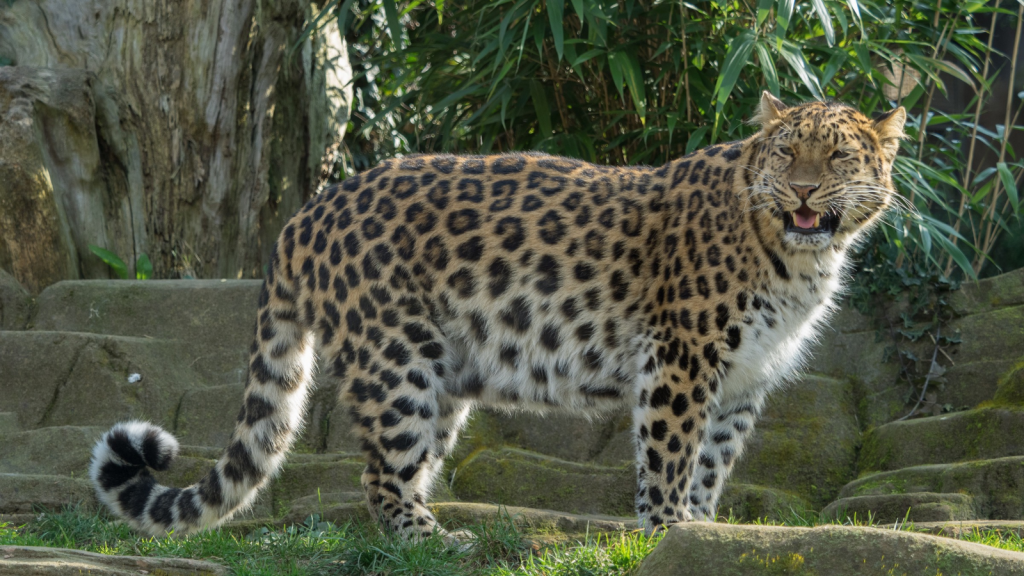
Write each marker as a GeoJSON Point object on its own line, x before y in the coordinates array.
{"type": "Point", "coordinates": [432, 284]}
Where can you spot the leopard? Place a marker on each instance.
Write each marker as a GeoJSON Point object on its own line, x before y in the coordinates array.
{"type": "Point", "coordinates": [431, 285]}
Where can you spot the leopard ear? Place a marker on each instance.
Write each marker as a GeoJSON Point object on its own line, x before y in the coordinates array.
{"type": "Point", "coordinates": [889, 128]}
{"type": "Point", "coordinates": [770, 109]}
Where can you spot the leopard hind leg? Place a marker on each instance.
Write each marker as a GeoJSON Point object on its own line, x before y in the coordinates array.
{"type": "Point", "coordinates": [405, 424]}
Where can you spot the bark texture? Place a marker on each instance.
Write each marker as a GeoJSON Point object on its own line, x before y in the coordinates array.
{"type": "Point", "coordinates": [187, 130]}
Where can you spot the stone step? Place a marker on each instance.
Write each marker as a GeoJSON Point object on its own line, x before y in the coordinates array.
{"type": "Point", "coordinates": [956, 437]}
{"type": "Point", "coordinates": [28, 493]}
{"type": "Point", "coordinates": [15, 303]}
{"type": "Point", "coordinates": [513, 477]}
{"type": "Point", "coordinates": [82, 379]}
{"type": "Point", "coordinates": [57, 450]}
{"type": "Point", "coordinates": [996, 485]}
{"type": "Point", "coordinates": [518, 478]}
{"type": "Point", "coordinates": [9, 423]}
{"type": "Point", "coordinates": [965, 528]}
{"type": "Point", "coordinates": [40, 561]}
{"type": "Point", "coordinates": [913, 507]}
{"type": "Point", "coordinates": [707, 548]}
{"type": "Point", "coordinates": [217, 313]}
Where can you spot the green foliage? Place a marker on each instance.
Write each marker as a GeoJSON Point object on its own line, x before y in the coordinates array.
{"type": "Point", "coordinates": [143, 266]}
{"type": "Point", "coordinates": [644, 81]}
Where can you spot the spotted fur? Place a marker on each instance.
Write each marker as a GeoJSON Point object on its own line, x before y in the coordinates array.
{"type": "Point", "coordinates": [432, 284]}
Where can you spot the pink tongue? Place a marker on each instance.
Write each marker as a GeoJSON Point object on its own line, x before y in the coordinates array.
{"type": "Point", "coordinates": [804, 221]}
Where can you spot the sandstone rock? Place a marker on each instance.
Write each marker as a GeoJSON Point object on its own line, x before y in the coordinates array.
{"type": "Point", "coordinates": [519, 478]}
{"type": "Point", "coordinates": [38, 561]}
{"type": "Point", "coordinates": [992, 342]}
{"type": "Point", "coordinates": [206, 416]}
{"type": "Point", "coordinates": [9, 423]}
{"type": "Point", "coordinates": [63, 450]}
{"type": "Point", "coordinates": [914, 507]}
{"type": "Point", "coordinates": [68, 378]}
{"type": "Point", "coordinates": [989, 294]}
{"type": "Point", "coordinates": [15, 303]}
{"type": "Point", "coordinates": [964, 528]}
{"type": "Point", "coordinates": [996, 485]}
{"type": "Point", "coordinates": [529, 520]}
{"type": "Point", "coordinates": [325, 475]}
{"type": "Point", "coordinates": [213, 318]}
{"type": "Point", "coordinates": [730, 550]}
{"type": "Point", "coordinates": [24, 493]}
{"type": "Point", "coordinates": [955, 437]}
{"type": "Point", "coordinates": [557, 434]}
{"type": "Point", "coordinates": [1010, 388]}
{"type": "Point", "coordinates": [806, 441]}
{"type": "Point", "coordinates": [749, 503]}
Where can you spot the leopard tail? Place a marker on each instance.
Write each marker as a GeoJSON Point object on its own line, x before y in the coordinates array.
{"type": "Point", "coordinates": [276, 389]}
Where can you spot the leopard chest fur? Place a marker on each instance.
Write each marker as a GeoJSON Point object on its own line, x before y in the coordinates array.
{"type": "Point", "coordinates": [781, 320]}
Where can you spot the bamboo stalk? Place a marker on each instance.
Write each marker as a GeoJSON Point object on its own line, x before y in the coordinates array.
{"type": "Point", "coordinates": [991, 230]}
{"type": "Point", "coordinates": [974, 136]}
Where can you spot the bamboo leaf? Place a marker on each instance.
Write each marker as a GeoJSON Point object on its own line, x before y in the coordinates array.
{"type": "Point", "coordinates": [615, 66]}
{"type": "Point", "coordinates": [580, 9]}
{"type": "Point", "coordinates": [635, 81]}
{"type": "Point", "coordinates": [764, 8]}
{"type": "Point", "coordinates": [555, 8]}
{"type": "Point", "coordinates": [112, 260]}
{"type": "Point", "coordinates": [855, 10]}
{"type": "Point", "coordinates": [783, 14]}
{"type": "Point", "coordinates": [767, 67]}
{"type": "Point", "coordinates": [696, 138]}
{"type": "Point", "coordinates": [736, 59]}
{"type": "Point", "coordinates": [792, 53]}
{"type": "Point", "coordinates": [143, 268]}
{"type": "Point", "coordinates": [540, 106]}
{"type": "Point", "coordinates": [1009, 184]}
{"type": "Point", "coordinates": [826, 21]}
{"type": "Point", "coordinates": [391, 13]}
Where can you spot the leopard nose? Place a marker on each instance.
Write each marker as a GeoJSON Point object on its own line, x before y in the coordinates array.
{"type": "Point", "coordinates": [803, 190]}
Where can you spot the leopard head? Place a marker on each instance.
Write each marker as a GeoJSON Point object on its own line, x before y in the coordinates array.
{"type": "Point", "coordinates": [821, 171]}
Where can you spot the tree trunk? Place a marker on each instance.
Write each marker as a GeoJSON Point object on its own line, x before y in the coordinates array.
{"type": "Point", "coordinates": [185, 130]}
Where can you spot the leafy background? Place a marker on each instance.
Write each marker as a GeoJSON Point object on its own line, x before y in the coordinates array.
{"type": "Point", "coordinates": [633, 81]}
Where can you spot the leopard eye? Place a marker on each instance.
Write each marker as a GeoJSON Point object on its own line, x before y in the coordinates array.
{"type": "Point", "coordinates": [787, 151]}
{"type": "Point", "coordinates": [840, 154]}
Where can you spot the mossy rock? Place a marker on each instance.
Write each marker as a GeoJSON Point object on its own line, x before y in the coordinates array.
{"type": "Point", "coordinates": [518, 478]}
{"type": "Point", "coordinates": [206, 415]}
{"type": "Point", "coordinates": [806, 441]}
{"type": "Point", "coordinates": [605, 439]}
{"type": "Point", "coordinates": [39, 561]}
{"type": "Point", "coordinates": [63, 378]}
{"type": "Point", "coordinates": [749, 503]}
{"type": "Point", "coordinates": [1010, 388]}
{"type": "Point", "coordinates": [997, 485]}
{"type": "Point", "coordinates": [211, 319]}
{"type": "Point", "coordinates": [24, 493]}
{"type": "Point", "coordinates": [59, 450]}
{"type": "Point", "coordinates": [956, 437]}
{"type": "Point", "coordinates": [914, 507]}
{"type": "Point", "coordinates": [730, 550]}
{"type": "Point", "coordinates": [15, 303]}
{"type": "Point", "coordinates": [989, 294]}
{"type": "Point", "coordinates": [322, 475]}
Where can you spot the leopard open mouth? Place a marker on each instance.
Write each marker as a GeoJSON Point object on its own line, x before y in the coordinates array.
{"type": "Point", "coordinates": [804, 220]}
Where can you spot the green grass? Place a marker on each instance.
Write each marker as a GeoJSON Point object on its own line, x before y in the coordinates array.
{"type": "Point", "coordinates": [323, 548]}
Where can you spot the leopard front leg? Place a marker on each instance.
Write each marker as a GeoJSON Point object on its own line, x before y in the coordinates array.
{"type": "Point", "coordinates": [669, 423]}
{"type": "Point", "coordinates": [729, 425]}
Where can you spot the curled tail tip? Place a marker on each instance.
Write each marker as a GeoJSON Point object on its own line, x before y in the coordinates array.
{"type": "Point", "coordinates": [127, 449]}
